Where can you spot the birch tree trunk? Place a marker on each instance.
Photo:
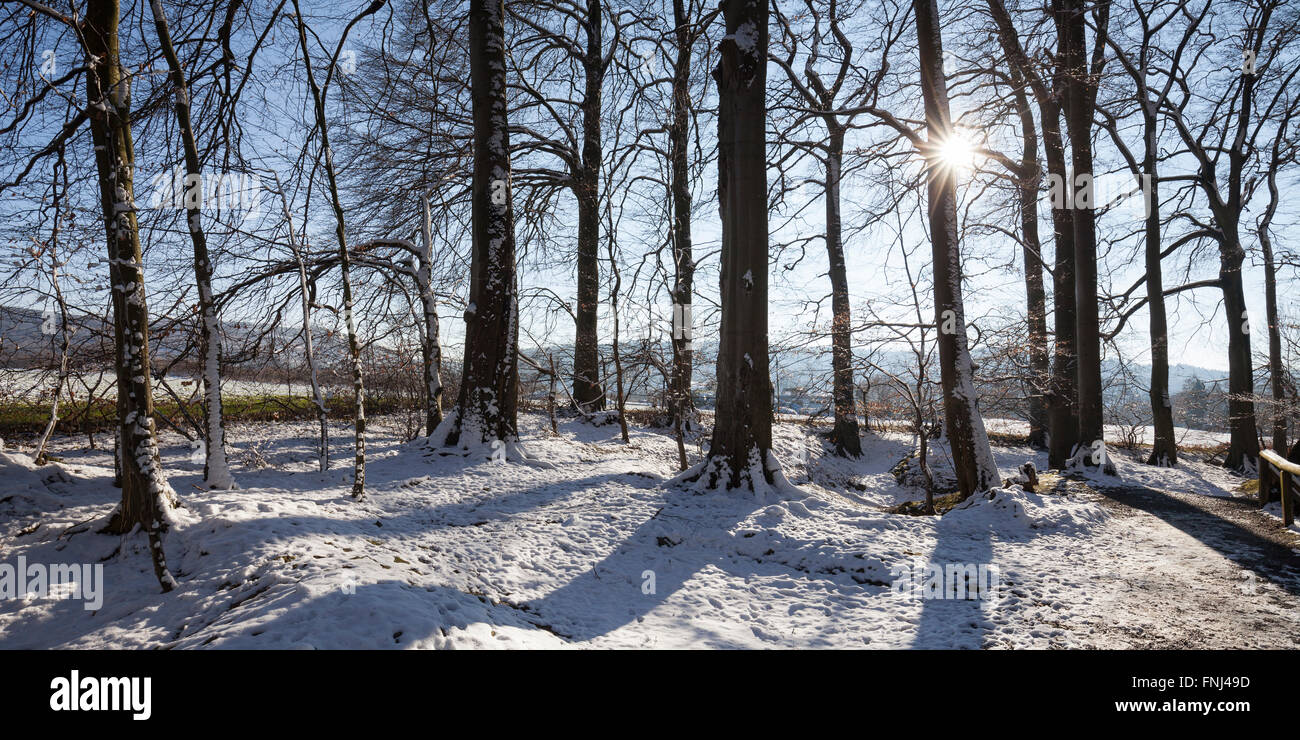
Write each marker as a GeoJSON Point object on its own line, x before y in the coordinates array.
{"type": "Point", "coordinates": [308, 290]}
{"type": "Point", "coordinates": [64, 335]}
{"type": "Point", "coordinates": [216, 470]}
{"type": "Point", "coordinates": [345, 267]}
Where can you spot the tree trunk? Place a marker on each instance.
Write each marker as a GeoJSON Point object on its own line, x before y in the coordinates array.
{"type": "Point", "coordinates": [1164, 448]}
{"type": "Point", "coordinates": [588, 393]}
{"type": "Point", "coordinates": [1276, 374]}
{"type": "Point", "coordinates": [742, 431]}
{"type": "Point", "coordinates": [1035, 293]}
{"type": "Point", "coordinates": [487, 404]}
{"type": "Point", "coordinates": [308, 289]}
{"type": "Point", "coordinates": [1243, 449]}
{"type": "Point", "coordinates": [431, 351]}
{"type": "Point", "coordinates": [345, 270]}
{"type": "Point", "coordinates": [845, 433]}
{"type": "Point", "coordinates": [64, 335]}
{"type": "Point", "coordinates": [1080, 94]}
{"type": "Point", "coordinates": [147, 498]}
{"type": "Point", "coordinates": [620, 398]}
{"type": "Point", "coordinates": [216, 470]}
{"type": "Point", "coordinates": [681, 404]}
{"type": "Point", "coordinates": [972, 458]}
{"type": "Point", "coordinates": [1061, 399]}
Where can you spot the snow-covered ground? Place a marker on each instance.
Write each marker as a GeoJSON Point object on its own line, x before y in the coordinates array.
{"type": "Point", "coordinates": [596, 549]}
{"type": "Point", "coordinates": [33, 385]}
{"type": "Point", "coordinates": [1143, 435]}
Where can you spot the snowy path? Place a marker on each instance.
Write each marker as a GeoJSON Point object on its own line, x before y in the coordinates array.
{"type": "Point", "coordinates": [596, 551]}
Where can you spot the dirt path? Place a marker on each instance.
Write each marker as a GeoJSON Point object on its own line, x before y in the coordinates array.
{"type": "Point", "coordinates": [1195, 571]}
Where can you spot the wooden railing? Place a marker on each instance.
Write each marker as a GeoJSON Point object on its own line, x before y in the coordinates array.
{"type": "Point", "coordinates": [1273, 465]}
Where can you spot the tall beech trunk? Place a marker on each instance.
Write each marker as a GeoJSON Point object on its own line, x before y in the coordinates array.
{"type": "Point", "coordinates": [845, 433]}
{"type": "Point", "coordinates": [1080, 95]}
{"type": "Point", "coordinates": [345, 265]}
{"type": "Point", "coordinates": [1243, 449]}
{"type": "Point", "coordinates": [972, 458]}
{"type": "Point", "coordinates": [681, 405]}
{"type": "Point", "coordinates": [1035, 293]}
{"type": "Point", "coordinates": [1164, 449]}
{"type": "Point", "coordinates": [588, 392]}
{"type": "Point", "coordinates": [147, 498]}
{"type": "Point", "coordinates": [742, 430]}
{"type": "Point", "coordinates": [216, 470]}
{"type": "Point", "coordinates": [487, 405]}
{"type": "Point", "coordinates": [1062, 401]}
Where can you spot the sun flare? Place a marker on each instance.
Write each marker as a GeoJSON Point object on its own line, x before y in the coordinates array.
{"type": "Point", "coordinates": [957, 152]}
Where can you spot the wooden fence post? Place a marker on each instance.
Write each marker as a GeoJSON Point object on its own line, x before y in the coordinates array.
{"type": "Point", "coordinates": [1263, 481]}
{"type": "Point", "coordinates": [1288, 515]}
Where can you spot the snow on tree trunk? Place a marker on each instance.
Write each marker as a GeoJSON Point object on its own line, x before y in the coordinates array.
{"type": "Point", "coordinates": [147, 498]}
{"type": "Point", "coordinates": [964, 428]}
{"type": "Point", "coordinates": [740, 454]}
{"type": "Point", "coordinates": [216, 471]}
{"type": "Point", "coordinates": [345, 269]}
{"type": "Point", "coordinates": [588, 392]}
{"type": "Point", "coordinates": [487, 404]}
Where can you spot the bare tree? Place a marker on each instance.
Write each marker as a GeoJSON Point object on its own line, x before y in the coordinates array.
{"type": "Point", "coordinates": [216, 471]}
{"type": "Point", "coordinates": [963, 427]}
{"type": "Point", "coordinates": [486, 409]}
{"type": "Point", "coordinates": [340, 231]}
{"type": "Point", "coordinates": [740, 452]}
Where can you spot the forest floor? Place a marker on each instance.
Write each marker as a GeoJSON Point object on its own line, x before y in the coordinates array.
{"type": "Point", "coordinates": [597, 549]}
